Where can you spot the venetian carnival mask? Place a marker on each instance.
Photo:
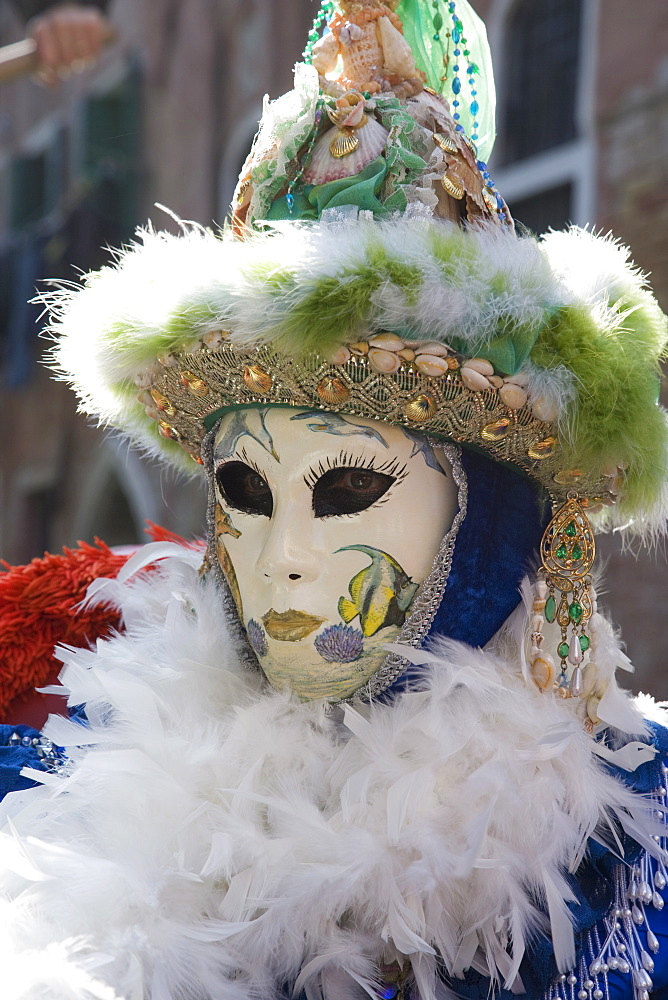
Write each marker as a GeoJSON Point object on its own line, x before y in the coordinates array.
{"type": "Point", "coordinates": [325, 525]}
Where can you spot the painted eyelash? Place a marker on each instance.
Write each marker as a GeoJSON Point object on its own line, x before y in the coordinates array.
{"type": "Point", "coordinates": [346, 460]}
{"type": "Point", "coordinates": [253, 465]}
{"type": "Point", "coordinates": [242, 456]}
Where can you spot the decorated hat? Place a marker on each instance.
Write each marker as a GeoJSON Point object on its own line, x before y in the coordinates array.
{"type": "Point", "coordinates": [370, 267]}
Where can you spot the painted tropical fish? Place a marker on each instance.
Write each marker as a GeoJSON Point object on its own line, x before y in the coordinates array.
{"type": "Point", "coordinates": [381, 594]}
{"type": "Point", "coordinates": [334, 423]}
{"type": "Point", "coordinates": [421, 444]}
{"type": "Point", "coordinates": [249, 422]}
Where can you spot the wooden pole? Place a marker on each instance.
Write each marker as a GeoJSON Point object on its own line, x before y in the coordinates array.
{"type": "Point", "coordinates": [20, 59]}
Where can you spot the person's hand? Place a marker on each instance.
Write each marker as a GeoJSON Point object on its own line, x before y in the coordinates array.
{"type": "Point", "coordinates": [69, 37]}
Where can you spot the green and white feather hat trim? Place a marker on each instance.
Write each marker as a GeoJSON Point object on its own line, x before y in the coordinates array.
{"type": "Point", "coordinates": [543, 353]}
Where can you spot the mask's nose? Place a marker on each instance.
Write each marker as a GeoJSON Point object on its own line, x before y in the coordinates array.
{"type": "Point", "coordinates": [289, 554]}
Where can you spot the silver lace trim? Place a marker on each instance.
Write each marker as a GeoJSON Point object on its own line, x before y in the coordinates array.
{"type": "Point", "coordinates": [424, 607]}
{"type": "Point", "coordinates": [619, 948]}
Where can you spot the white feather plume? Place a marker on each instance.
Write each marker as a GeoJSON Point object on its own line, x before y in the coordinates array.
{"type": "Point", "coordinates": [212, 838]}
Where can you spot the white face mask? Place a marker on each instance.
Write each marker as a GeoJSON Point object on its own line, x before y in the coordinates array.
{"type": "Point", "coordinates": [325, 526]}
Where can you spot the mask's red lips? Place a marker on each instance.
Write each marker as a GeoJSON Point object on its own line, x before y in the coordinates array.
{"type": "Point", "coordinates": [290, 626]}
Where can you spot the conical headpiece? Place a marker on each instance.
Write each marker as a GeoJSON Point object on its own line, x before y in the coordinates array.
{"type": "Point", "coordinates": [371, 267]}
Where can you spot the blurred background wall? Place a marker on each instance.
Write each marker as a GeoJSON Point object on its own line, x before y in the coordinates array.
{"type": "Point", "coordinates": [168, 114]}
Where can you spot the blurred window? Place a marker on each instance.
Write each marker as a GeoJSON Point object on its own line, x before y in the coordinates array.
{"type": "Point", "coordinates": [541, 81]}
{"type": "Point", "coordinates": [551, 209]}
{"type": "Point", "coordinates": [38, 183]}
{"type": "Point", "coordinates": [28, 190]}
{"type": "Point", "coordinates": [111, 150]}
{"type": "Point", "coordinates": [5, 291]}
{"type": "Point", "coordinates": [39, 509]}
{"type": "Point", "coordinates": [545, 158]}
{"type": "Point", "coordinates": [69, 198]}
{"type": "Point", "coordinates": [113, 516]}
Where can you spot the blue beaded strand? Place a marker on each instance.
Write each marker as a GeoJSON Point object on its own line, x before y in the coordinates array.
{"type": "Point", "coordinates": [456, 35]}
{"type": "Point", "coordinates": [459, 39]}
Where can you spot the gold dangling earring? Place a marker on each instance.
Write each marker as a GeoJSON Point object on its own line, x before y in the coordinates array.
{"type": "Point", "coordinates": [564, 594]}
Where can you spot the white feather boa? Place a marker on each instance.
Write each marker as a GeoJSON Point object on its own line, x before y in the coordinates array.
{"type": "Point", "coordinates": [216, 839]}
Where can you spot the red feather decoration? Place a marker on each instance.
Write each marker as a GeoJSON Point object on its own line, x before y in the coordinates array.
{"type": "Point", "coordinates": [39, 609]}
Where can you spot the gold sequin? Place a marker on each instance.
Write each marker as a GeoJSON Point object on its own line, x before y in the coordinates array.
{"type": "Point", "coordinates": [196, 385]}
{"type": "Point", "coordinates": [420, 409]}
{"type": "Point", "coordinates": [496, 431]}
{"type": "Point", "coordinates": [169, 432]}
{"type": "Point", "coordinates": [489, 199]}
{"type": "Point", "coordinates": [543, 449]}
{"type": "Point", "coordinates": [333, 390]}
{"type": "Point", "coordinates": [163, 403]}
{"type": "Point", "coordinates": [470, 143]}
{"type": "Point", "coordinates": [567, 476]}
{"type": "Point", "coordinates": [343, 143]}
{"type": "Point", "coordinates": [454, 189]}
{"type": "Point", "coordinates": [445, 143]}
{"type": "Point", "coordinates": [257, 379]}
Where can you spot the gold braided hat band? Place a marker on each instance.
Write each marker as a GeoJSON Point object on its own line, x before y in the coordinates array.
{"type": "Point", "coordinates": [423, 386]}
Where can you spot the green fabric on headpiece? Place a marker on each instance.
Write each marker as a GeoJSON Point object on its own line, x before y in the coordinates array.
{"type": "Point", "coordinates": [507, 352]}
{"type": "Point", "coordinates": [422, 20]}
{"type": "Point", "coordinates": [360, 190]}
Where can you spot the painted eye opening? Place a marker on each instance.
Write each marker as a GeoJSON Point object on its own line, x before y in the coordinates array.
{"type": "Point", "coordinates": [244, 489]}
{"type": "Point", "coordinates": [349, 490]}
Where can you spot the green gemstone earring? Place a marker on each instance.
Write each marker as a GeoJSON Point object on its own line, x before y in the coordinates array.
{"type": "Point", "coordinates": [564, 595]}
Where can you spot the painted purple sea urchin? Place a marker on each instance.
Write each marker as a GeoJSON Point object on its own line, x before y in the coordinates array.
{"type": "Point", "coordinates": [256, 637]}
{"type": "Point", "coordinates": [340, 644]}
